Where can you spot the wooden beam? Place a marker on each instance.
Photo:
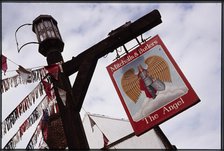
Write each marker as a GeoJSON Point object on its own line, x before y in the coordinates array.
{"type": "Point", "coordinates": [120, 140]}
{"type": "Point", "coordinates": [157, 130]}
{"type": "Point", "coordinates": [82, 81]}
{"type": "Point", "coordinates": [118, 38]}
{"type": "Point", "coordinates": [164, 139]}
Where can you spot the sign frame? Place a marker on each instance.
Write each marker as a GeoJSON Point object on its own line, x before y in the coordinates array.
{"type": "Point", "coordinates": [172, 95]}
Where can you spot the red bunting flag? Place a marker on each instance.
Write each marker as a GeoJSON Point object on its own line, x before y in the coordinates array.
{"type": "Point", "coordinates": [44, 126]}
{"type": "Point", "coordinates": [105, 140]}
{"type": "Point", "coordinates": [47, 88]}
{"type": "Point", "coordinates": [53, 70]}
{"type": "Point", "coordinates": [4, 63]}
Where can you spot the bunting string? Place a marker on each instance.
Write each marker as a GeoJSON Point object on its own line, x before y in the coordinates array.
{"type": "Point", "coordinates": [48, 104]}
{"type": "Point", "coordinates": [35, 115]}
{"type": "Point", "coordinates": [5, 64]}
{"type": "Point", "coordinates": [92, 124]}
{"type": "Point", "coordinates": [42, 144]}
{"type": "Point", "coordinates": [52, 109]}
{"type": "Point", "coordinates": [24, 105]}
{"type": "Point", "coordinates": [26, 124]}
{"type": "Point", "coordinates": [12, 61]}
{"type": "Point", "coordinates": [22, 78]}
{"type": "Point", "coordinates": [33, 139]}
{"type": "Point", "coordinates": [25, 76]}
{"type": "Point", "coordinates": [28, 101]}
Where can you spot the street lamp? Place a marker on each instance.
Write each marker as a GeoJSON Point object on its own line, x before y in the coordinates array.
{"type": "Point", "coordinates": [51, 46]}
{"type": "Point", "coordinates": [48, 35]}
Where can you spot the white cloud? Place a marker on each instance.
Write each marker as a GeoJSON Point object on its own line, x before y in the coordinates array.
{"type": "Point", "coordinates": [190, 31]}
{"type": "Point", "coordinates": [169, 94]}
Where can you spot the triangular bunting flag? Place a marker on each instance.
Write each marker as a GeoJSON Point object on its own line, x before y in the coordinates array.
{"type": "Point", "coordinates": [53, 70]}
{"type": "Point", "coordinates": [92, 122]}
{"type": "Point", "coordinates": [44, 126]}
{"type": "Point", "coordinates": [105, 140]}
{"type": "Point", "coordinates": [24, 70]}
{"type": "Point", "coordinates": [25, 74]}
{"type": "Point", "coordinates": [43, 144]}
{"type": "Point", "coordinates": [47, 88]}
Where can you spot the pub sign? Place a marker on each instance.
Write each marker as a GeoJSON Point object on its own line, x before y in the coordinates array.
{"type": "Point", "coordinates": [150, 85]}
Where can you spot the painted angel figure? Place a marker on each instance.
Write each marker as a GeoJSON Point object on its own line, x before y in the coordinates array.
{"type": "Point", "coordinates": [150, 80]}
{"type": "Point", "coordinates": [149, 85]}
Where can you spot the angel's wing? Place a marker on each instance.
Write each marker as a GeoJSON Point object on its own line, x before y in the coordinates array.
{"type": "Point", "coordinates": [130, 85]}
{"type": "Point", "coordinates": [158, 68]}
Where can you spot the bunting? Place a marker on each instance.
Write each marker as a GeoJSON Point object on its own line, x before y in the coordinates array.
{"type": "Point", "coordinates": [33, 139]}
{"type": "Point", "coordinates": [25, 74]}
{"type": "Point", "coordinates": [22, 78]}
{"type": "Point", "coordinates": [92, 122]}
{"type": "Point", "coordinates": [105, 140]}
{"type": "Point", "coordinates": [48, 89]}
{"type": "Point", "coordinates": [35, 115]}
{"type": "Point", "coordinates": [27, 102]}
{"type": "Point", "coordinates": [24, 105]}
{"type": "Point", "coordinates": [53, 70]}
{"type": "Point", "coordinates": [47, 105]}
{"type": "Point", "coordinates": [4, 63]}
{"type": "Point", "coordinates": [43, 144]}
{"type": "Point", "coordinates": [44, 127]}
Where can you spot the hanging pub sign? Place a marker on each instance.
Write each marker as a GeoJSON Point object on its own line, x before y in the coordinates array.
{"type": "Point", "coordinates": [150, 85]}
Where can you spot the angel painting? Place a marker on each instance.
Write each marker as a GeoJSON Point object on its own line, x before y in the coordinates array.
{"type": "Point", "coordinates": [147, 82]}
{"type": "Point", "coordinates": [150, 80]}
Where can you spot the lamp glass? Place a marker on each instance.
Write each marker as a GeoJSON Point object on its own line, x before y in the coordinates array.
{"type": "Point", "coordinates": [46, 29]}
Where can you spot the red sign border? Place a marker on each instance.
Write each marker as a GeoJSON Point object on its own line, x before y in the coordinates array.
{"type": "Point", "coordinates": [152, 120]}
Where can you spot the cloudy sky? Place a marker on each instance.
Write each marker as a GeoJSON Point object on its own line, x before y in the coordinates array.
{"type": "Point", "coordinates": [190, 31]}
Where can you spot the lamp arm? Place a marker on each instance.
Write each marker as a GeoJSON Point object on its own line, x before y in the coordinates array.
{"type": "Point", "coordinates": [17, 44]}
{"type": "Point", "coordinates": [25, 45]}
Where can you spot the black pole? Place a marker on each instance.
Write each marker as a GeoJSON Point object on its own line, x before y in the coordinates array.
{"type": "Point", "coordinates": [51, 46]}
{"type": "Point", "coordinates": [72, 123]}
{"type": "Point", "coordinates": [164, 139]}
